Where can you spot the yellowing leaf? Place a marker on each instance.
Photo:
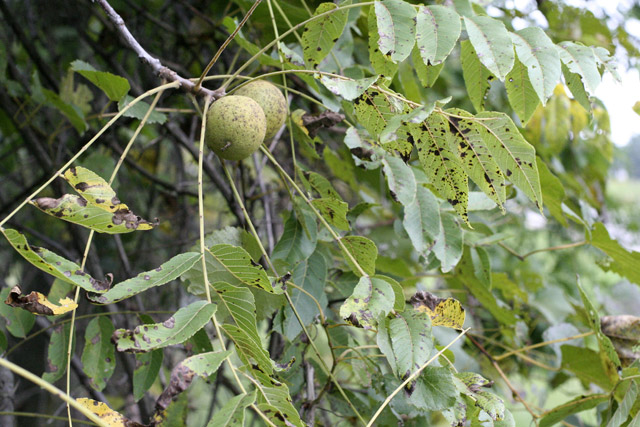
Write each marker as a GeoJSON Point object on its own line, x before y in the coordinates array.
{"type": "Point", "coordinates": [37, 303]}
{"type": "Point", "coordinates": [108, 415]}
{"type": "Point", "coordinates": [443, 312]}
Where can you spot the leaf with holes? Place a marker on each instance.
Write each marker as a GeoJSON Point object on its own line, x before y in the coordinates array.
{"type": "Point", "coordinates": [363, 251]}
{"type": "Point", "coordinates": [396, 28]}
{"type": "Point", "coordinates": [320, 35]}
{"type": "Point", "coordinates": [98, 356]}
{"type": "Point", "coordinates": [477, 77]}
{"type": "Point", "coordinates": [492, 42]}
{"type": "Point", "coordinates": [165, 273]}
{"type": "Point", "coordinates": [175, 330]}
{"type": "Point", "coordinates": [437, 31]}
{"type": "Point", "coordinates": [54, 264]}
{"type": "Point", "coordinates": [371, 298]}
{"type": "Point", "coordinates": [538, 53]}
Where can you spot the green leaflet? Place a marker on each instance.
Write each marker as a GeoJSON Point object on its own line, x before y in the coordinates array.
{"type": "Point", "coordinates": [437, 31]}
{"type": "Point", "coordinates": [167, 272]}
{"type": "Point", "coordinates": [434, 389]}
{"type": "Point", "coordinates": [382, 63]}
{"type": "Point", "coordinates": [428, 74]}
{"type": "Point", "coordinates": [406, 341]}
{"type": "Point", "coordinates": [396, 28]}
{"type": "Point", "coordinates": [75, 209]}
{"type": "Point", "coordinates": [363, 250]}
{"type": "Point", "coordinates": [274, 400]}
{"type": "Point", "coordinates": [322, 186]}
{"type": "Point", "coordinates": [400, 179]}
{"type": "Point", "coordinates": [574, 406]}
{"type": "Point", "coordinates": [522, 96]}
{"type": "Point", "coordinates": [491, 40]}
{"type": "Point", "coordinates": [320, 35]}
{"type": "Point", "coordinates": [234, 262]}
{"type": "Point", "coordinates": [57, 353]}
{"type": "Point", "coordinates": [477, 77]}
{"type": "Point", "coordinates": [71, 112]}
{"type": "Point", "coordinates": [576, 86]}
{"type": "Point", "coordinates": [476, 156]}
{"type": "Point", "coordinates": [552, 192]}
{"type": "Point", "coordinates": [232, 412]}
{"type": "Point", "coordinates": [621, 415]}
{"type": "Point", "coordinates": [422, 220]}
{"type": "Point", "coordinates": [624, 263]}
{"type": "Point", "coordinates": [448, 245]}
{"type": "Point", "coordinates": [139, 110]}
{"type": "Point", "coordinates": [310, 274]}
{"type": "Point", "coordinates": [175, 330]}
{"type": "Point", "coordinates": [475, 388]}
{"type": "Point", "coordinates": [346, 88]}
{"type": "Point", "coordinates": [538, 53]}
{"type": "Point", "coordinates": [54, 264]}
{"type": "Point", "coordinates": [147, 367]}
{"type": "Point", "coordinates": [375, 108]}
{"type": "Point", "coordinates": [371, 298]}
{"type": "Point", "coordinates": [296, 243]}
{"type": "Point", "coordinates": [249, 349]}
{"type": "Point", "coordinates": [588, 366]}
{"type": "Point", "coordinates": [240, 303]}
{"type": "Point", "coordinates": [581, 60]}
{"type": "Point", "coordinates": [98, 356]}
{"type": "Point", "coordinates": [115, 87]}
{"type": "Point", "coordinates": [333, 211]}
{"type": "Point", "coordinates": [433, 142]}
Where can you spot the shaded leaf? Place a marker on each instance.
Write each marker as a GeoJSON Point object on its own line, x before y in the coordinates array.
{"type": "Point", "coordinates": [165, 273]}
{"type": "Point", "coordinates": [54, 264]}
{"type": "Point", "coordinates": [422, 220]}
{"type": "Point", "coordinates": [579, 404]}
{"type": "Point", "coordinates": [448, 245]}
{"type": "Point", "coordinates": [236, 262]}
{"type": "Point", "coordinates": [442, 312]}
{"type": "Point", "coordinates": [106, 414]}
{"type": "Point", "coordinates": [552, 192]}
{"type": "Point", "coordinates": [115, 87]}
{"type": "Point", "coordinates": [98, 356]}
{"type": "Point", "coordinates": [575, 85]}
{"type": "Point", "coordinates": [477, 78]}
{"type": "Point", "coordinates": [175, 330]}
{"type": "Point", "coordinates": [522, 96]}
{"type": "Point", "coordinates": [371, 298]}
{"type": "Point", "coordinates": [492, 42]}
{"type": "Point", "coordinates": [232, 412]}
{"type": "Point", "coordinates": [57, 353]}
{"type": "Point", "coordinates": [437, 31]}
{"type": "Point", "coordinates": [320, 35]}
{"type": "Point", "coordinates": [37, 303]}
{"type": "Point", "coordinates": [295, 244]}
{"type": "Point", "coordinates": [146, 371]}
{"type": "Point", "coordinates": [475, 389]}
{"type": "Point", "coordinates": [625, 263]}
{"type": "Point", "coordinates": [333, 211]}
{"type": "Point", "coordinates": [139, 110]}
{"type": "Point", "coordinates": [587, 365]}
{"type": "Point", "coordinates": [363, 251]}
{"type": "Point", "coordinates": [623, 411]}
{"type": "Point", "coordinates": [18, 322]}
{"type": "Point", "coordinates": [71, 112]}
{"type": "Point", "coordinates": [400, 179]}
{"type": "Point", "coordinates": [434, 390]}
{"type": "Point", "coordinates": [250, 349]}
{"type": "Point", "coordinates": [396, 28]}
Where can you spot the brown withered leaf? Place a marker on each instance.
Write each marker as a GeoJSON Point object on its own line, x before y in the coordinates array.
{"type": "Point", "coordinates": [37, 303]}
{"type": "Point", "coordinates": [108, 415]}
{"type": "Point", "coordinates": [443, 312]}
{"type": "Point", "coordinates": [315, 122]}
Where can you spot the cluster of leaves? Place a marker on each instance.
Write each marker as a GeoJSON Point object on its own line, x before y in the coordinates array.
{"type": "Point", "coordinates": [404, 200]}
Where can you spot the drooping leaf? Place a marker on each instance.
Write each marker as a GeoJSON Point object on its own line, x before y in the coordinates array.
{"type": "Point", "coordinates": [37, 303]}
{"type": "Point", "coordinates": [310, 275]}
{"type": "Point", "coordinates": [433, 142]}
{"type": "Point", "coordinates": [396, 28]}
{"type": "Point", "coordinates": [165, 273]}
{"type": "Point", "coordinates": [371, 298]}
{"type": "Point", "coordinates": [625, 262]}
{"type": "Point", "coordinates": [442, 312]}
{"type": "Point", "coordinates": [382, 63]}
{"type": "Point", "coordinates": [98, 356]}
{"type": "Point", "coordinates": [522, 96]}
{"type": "Point", "coordinates": [274, 400]}
{"type": "Point", "coordinates": [437, 31]}
{"type": "Point", "coordinates": [320, 35]}
{"type": "Point", "coordinates": [477, 78]}
{"type": "Point", "coordinates": [139, 110]}
{"type": "Point", "coordinates": [231, 414]}
{"type": "Point", "coordinates": [115, 87]}
{"type": "Point", "coordinates": [109, 416]}
{"type": "Point", "coordinates": [581, 60]}
{"type": "Point", "coordinates": [175, 330]}
{"type": "Point", "coordinates": [552, 192]}
{"type": "Point", "coordinates": [54, 264]}
{"type": "Point", "coordinates": [203, 365]}
{"type": "Point", "coordinates": [574, 406]}
{"type": "Point", "coordinates": [75, 209]}
{"type": "Point", "coordinates": [237, 263]}
{"type": "Point", "coordinates": [623, 411]}
{"type": "Point", "coordinates": [492, 42]}
{"type": "Point", "coordinates": [347, 88]}
{"type": "Point", "coordinates": [363, 251]}
{"type": "Point", "coordinates": [448, 246]}
{"type": "Point", "coordinates": [422, 220]}
{"type": "Point", "coordinates": [240, 303]}
{"type": "Point", "coordinates": [333, 211]}
{"type": "Point", "coordinates": [576, 86]}
{"type": "Point", "coordinates": [71, 112]}
{"type": "Point", "coordinates": [604, 58]}
{"type": "Point", "coordinates": [375, 108]}
{"type": "Point", "coordinates": [147, 367]}
{"type": "Point", "coordinates": [475, 388]}
{"type": "Point", "coordinates": [587, 365]}
{"type": "Point", "coordinates": [249, 349]}
{"type": "Point", "coordinates": [538, 53]}
{"type": "Point", "coordinates": [57, 353]}
{"type": "Point", "coordinates": [434, 389]}
{"type": "Point", "coordinates": [400, 179]}
{"type": "Point", "coordinates": [322, 185]}
{"type": "Point", "coordinates": [295, 243]}
{"type": "Point", "coordinates": [18, 322]}
{"type": "Point", "coordinates": [406, 341]}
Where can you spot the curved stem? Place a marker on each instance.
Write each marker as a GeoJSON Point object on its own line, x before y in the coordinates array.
{"type": "Point", "coordinates": [541, 344]}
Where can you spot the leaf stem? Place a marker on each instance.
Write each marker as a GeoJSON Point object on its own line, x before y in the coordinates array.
{"type": "Point", "coordinates": [541, 344]}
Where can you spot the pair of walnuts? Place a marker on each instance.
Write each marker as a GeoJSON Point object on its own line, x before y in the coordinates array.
{"type": "Point", "coordinates": [237, 124]}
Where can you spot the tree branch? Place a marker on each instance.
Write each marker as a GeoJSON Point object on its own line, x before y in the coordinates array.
{"type": "Point", "coordinates": [160, 70]}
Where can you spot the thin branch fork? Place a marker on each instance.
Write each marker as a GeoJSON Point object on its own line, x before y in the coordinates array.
{"type": "Point", "coordinates": [160, 70]}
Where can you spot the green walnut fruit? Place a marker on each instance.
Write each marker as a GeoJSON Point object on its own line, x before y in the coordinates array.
{"type": "Point", "coordinates": [236, 126]}
{"type": "Point", "coordinates": [271, 100]}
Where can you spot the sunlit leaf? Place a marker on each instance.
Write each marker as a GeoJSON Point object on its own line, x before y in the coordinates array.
{"type": "Point", "coordinates": [625, 262]}
{"type": "Point", "coordinates": [237, 263]}
{"type": "Point", "coordinates": [381, 63]}
{"type": "Point", "coordinates": [363, 251]}
{"type": "Point", "coordinates": [396, 28]}
{"type": "Point", "coordinates": [320, 35]}
{"type": "Point", "coordinates": [442, 312]}
{"type": "Point", "coordinates": [347, 88]}
{"type": "Point", "coordinates": [107, 415]}
{"type": "Point", "coordinates": [492, 42]}
{"type": "Point", "coordinates": [249, 348]}
{"type": "Point", "coordinates": [437, 31]}
{"type": "Point", "coordinates": [581, 60]}
{"type": "Point", "coordinates": [522, 96]}
{"type": "Point", "coordinates": [400, 179]}
{"type": "Point", "coordinates": [371, 298]}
